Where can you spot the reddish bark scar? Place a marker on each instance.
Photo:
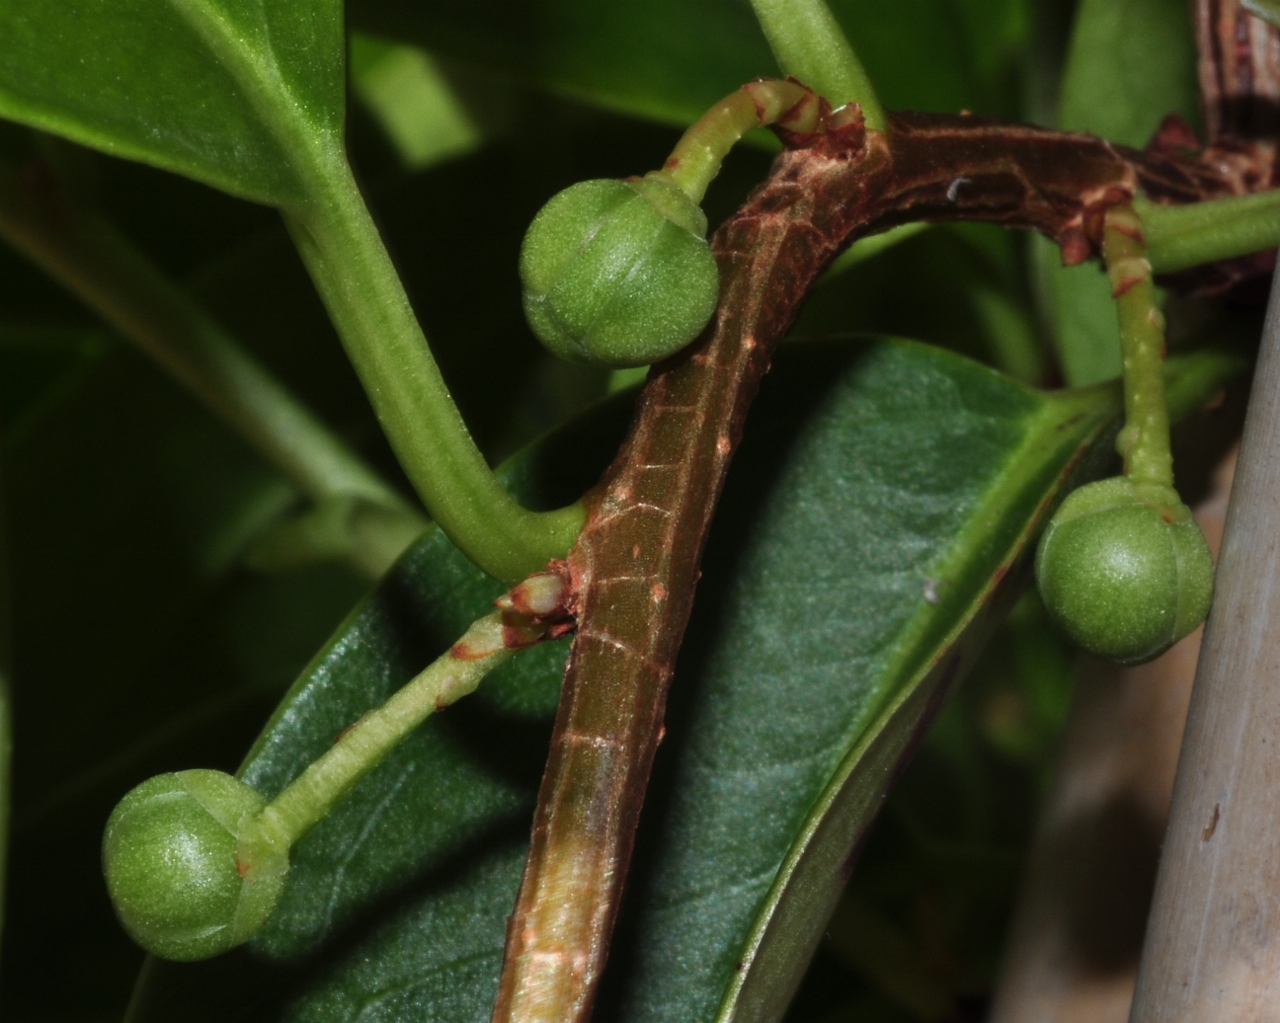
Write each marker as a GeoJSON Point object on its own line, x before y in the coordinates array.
{"type": "Point", "coordinates": [659, 592]}
{"type": "Point", "coordinates": [461, 651]}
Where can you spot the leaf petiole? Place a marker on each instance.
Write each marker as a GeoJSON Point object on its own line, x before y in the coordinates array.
{"type": "Point", "coordinates": [341, 246]}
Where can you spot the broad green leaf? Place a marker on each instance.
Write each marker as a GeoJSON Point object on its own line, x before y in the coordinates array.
{"type": "Point", "coordinates": [235, 93]}
{"type": "Point", "coordinates": [671, 59]}
{"type": "Point", "coordinates": [1130, 63]}
{"type": "Point", "coordinates": [873, 526]}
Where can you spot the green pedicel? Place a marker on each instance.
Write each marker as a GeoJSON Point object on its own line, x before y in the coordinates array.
{"type": "Point", "coordinates": [1123, 568]}
{"type": "Point", "coordinates": [196, 861]}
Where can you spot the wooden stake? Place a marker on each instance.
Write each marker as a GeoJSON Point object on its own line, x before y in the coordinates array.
{"type": "Point", "coordinates": [1212, 953]}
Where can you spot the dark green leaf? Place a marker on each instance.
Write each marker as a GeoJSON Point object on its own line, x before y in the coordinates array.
{"type": "Point", "coordinates": [859, 556]}
{"type": "Point", "coordinates": [235, 93]}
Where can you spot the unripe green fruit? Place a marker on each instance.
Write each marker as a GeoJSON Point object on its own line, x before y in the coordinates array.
{"type": "Point", "coordinates": [169, 855]}
{"type": "Point", "coordinates": [1124, 570]}
{"type": "Point", "coordinates": [618, 273]}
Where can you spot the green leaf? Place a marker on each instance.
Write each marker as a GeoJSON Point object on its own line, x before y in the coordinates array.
{"type": "Point", "coordinates": [235, 93]}
{"type": "Point", "coordinates": [1130, 63]}
{"type": "Point", "coordinates": [871, 531]}
{"type": "Point", "coordinates": [671, 59]}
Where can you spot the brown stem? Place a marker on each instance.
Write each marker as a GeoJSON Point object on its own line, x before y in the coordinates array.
{"type": "Point", "coordinates": [1239, 71]}
{"type": "Point", "coordinates": [635, 565]}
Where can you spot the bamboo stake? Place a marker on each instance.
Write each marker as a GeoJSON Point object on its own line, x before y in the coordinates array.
{"type": "Point", "coordinates": [1212, 953]}
{"type": "Point", "coordinates": [1072, 954]}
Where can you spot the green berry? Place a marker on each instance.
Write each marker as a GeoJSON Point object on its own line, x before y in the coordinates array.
{"type": "Point", "coordinates": [1124, 570]}
{"type": "Point", "coordinates": [169, 855]}
{"type": "Point", "coordinates": [618, 273]}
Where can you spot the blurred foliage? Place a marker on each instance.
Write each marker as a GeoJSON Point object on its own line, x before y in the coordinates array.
{"type": "Point", "coordinates": [1128, 65]}
{"type": "Point", "coordinates": [141, 643]}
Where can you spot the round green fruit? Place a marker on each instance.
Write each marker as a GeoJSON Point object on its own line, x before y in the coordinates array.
{"type": "Point", "coordinates": [618, 273]}
{"type": "Point", "coordinates": [169, 855]}
{"type": "Point", "coordinates": [1124, 570]}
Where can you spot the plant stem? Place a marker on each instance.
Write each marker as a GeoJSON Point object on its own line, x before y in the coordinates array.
{"type": "Point", "coordinates": [809, 43]}
{"type": "Point", "coordinates": [87, 255]}
{"type": "Point", "coordinates": [1144, 441]}
{"type": "Point", "coordinates": [1179, 237]}
{"type": "Point", "coordinates": [490, 640]}
{"type": "Point", "coordinates": [344, 252]}
{"type": "Point", "coordinates": [697, 157]}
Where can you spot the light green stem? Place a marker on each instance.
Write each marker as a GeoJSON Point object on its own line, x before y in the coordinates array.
{"type": "Point", "coordinates": [697, 157]}
{"type": "Point", "coordinates": [314, 793]}
{"type": "Point", "coordinates": [1179, 237]}
{"type": "Point", "coordinates": [809, 43]}
{"type": "Point", "coordinates": [1144, 441]}
{"type": "Point", "coordinates": [344, 252]}
{"type": "Point", "coordinates": [87, 255]}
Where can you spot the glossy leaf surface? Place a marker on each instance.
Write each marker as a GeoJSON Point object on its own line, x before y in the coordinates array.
{"type": "Point", "coordinates": [230, 92]}
{"type": "Point", "coordinates": [881, 496]}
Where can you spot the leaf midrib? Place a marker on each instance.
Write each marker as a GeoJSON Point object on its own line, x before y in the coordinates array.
{"type": "Point", "coordinates": [307, 148]}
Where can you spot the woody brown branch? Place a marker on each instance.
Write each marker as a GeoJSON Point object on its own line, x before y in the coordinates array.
{"type": "Point", "coordinates": [635, 567]}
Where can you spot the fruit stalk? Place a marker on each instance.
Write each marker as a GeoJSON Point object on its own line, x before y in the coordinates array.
{"type": "Point", "coordinates": [697, 157]}
{"type": "Point", "coordinates": [310, 797]}
{"type": "Point", "coordinates": [1144, 441]}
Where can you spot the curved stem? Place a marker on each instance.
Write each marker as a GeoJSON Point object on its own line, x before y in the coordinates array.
{"type": "Point", "coordinates": [696, 159]}
{"type": "Point", "coordinates": [809, 43]}
{"type": "Point", "coordinates": [86, 254]}
{"type": "Point", "coordinates": [349, 264]}
{"type": "Point", "coordinates": [1144, 441]}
